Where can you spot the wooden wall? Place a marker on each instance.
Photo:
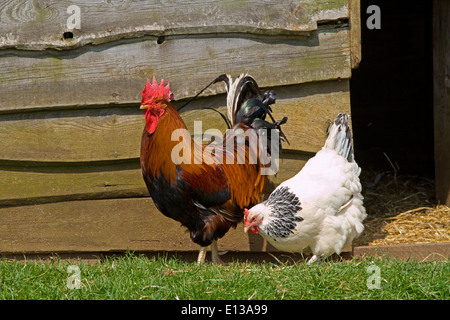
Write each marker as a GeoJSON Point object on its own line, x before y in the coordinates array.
{"type": "Point", "coordinates": [441, 86]}
{"type": "Point", "coordinates": [70, 123]}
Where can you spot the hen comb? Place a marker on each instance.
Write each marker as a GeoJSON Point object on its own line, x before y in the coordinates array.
{"type": "Point", "coordinates": [156, 92]}
{"type": "Point", "coordinates": [246, 212]}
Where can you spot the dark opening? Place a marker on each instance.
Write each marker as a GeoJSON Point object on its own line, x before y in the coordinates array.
{"type": "Point", "coordinates": [68, 35]}
{"type": "Point", "coordinates": [160, 39]}
{"type": "Point", "coordinates": [392, 90]}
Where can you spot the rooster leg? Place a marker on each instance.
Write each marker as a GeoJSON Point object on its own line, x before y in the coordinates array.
{"type": "Point", "coordinates": [215, 253]}
{"type": "Point", "coordinates": [202, 255]}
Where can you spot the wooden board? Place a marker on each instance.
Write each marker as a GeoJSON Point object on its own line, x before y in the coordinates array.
{"type": "Point", "coordinates": [114, 74]}
{"type": "Point", "coordinates": [94, 225]}
{"type": "Point", "coordinates": [441, 87]}
{"type": "Point", "coordinates": [39, 25]}
{"type": "Point", "coordinates": [31, 185]}
{"type": "Point", "coordinates": [355, 32]}
{"type": "Point", "coordinates": [114, 134]}
{"type": "Point", "coordinates": [418, 251]}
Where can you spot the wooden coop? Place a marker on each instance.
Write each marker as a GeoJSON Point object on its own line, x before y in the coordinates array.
{"type": "Point", "coordinates": [71, 75]}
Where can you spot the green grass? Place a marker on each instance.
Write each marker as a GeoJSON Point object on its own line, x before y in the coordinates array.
{"type": "Point", "coordinates": [139, 277]}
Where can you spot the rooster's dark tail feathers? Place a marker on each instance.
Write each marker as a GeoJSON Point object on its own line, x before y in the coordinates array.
{"type": "Point", "coordinates": [246, 104]}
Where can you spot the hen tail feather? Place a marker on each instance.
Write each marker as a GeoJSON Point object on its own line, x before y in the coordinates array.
{"type": "Point", "coordinates": [340, 137]}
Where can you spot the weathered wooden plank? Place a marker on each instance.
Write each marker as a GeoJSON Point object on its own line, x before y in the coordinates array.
{"type": "Point", "coordinates": [101, 225]}
{"type": "Point", "coordinates": [441, 87]}
{"type": "Point", "coordinates": [113, 134]}
{"type": "Point", "coordinates": [418, 251]}
{"type": "Point", "coordinates": [82, 135]}
{"type": "Point", "coordinates": [355, 32]}
{"type": "Point", "coordinates": [115, 74]}
{"type": "Point", "coordinates": [37, 25]}
{"type": "Point", "coordinates": [25, 186]}
{"type": "Point", "coordinates": [71, 135]}
{"type": "Point", "coordinates": [22, 185]}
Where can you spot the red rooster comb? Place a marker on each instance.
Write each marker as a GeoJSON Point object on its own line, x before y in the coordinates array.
{"type": "Point", "coordinates": [154, 92]}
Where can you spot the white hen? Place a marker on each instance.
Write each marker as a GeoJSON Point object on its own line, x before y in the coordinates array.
{"type": "Point", "coordinates": [321, 207]}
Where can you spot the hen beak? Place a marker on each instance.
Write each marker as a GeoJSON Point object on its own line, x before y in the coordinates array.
{"type": "Point", "coordinates": [246, 228]}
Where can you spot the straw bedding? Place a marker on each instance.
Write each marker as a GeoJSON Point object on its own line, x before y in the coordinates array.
{"type": "Point", "coordinates": [402, 209]}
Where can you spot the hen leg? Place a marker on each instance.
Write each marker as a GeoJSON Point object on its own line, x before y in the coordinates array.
{"type": "Point", "coordinates": [215, 253]}
{"type": "Point", "coordinates": [202, 255]}
{"type": "Point", "coordinates": [314, 258]}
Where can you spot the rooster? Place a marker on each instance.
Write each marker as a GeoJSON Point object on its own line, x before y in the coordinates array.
{"type": "Point", "coordinates": [203, 189]}
{"type": "Point", "coordinates": [321, 207]}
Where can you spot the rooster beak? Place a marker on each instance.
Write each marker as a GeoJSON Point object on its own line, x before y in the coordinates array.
{"type": "Point", "coordinates": [145, 106]}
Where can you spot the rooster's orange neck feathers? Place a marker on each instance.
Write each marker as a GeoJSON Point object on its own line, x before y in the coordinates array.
{"type": "Point", "coordinates": [158, 146]}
